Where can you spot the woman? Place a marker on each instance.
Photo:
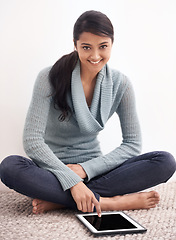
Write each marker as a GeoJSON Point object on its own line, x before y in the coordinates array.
{"type": "Point", "coordinates": [71, 103]}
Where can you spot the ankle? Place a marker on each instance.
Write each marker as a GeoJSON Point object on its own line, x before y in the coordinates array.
{"type": "Point", "coordinates": [106, 203]}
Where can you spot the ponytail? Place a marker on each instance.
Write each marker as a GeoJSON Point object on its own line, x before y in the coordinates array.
{"type": "Point", "coordinates": [60, 79]}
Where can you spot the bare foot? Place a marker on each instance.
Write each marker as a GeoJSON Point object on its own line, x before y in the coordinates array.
{"type": "Point", "coordinates": [142, 200]}
{"type": "Point", "coordinates": [41, 206]}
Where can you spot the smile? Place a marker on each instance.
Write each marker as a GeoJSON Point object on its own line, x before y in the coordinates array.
{"type": "Point", "coordinates": [94, 62]}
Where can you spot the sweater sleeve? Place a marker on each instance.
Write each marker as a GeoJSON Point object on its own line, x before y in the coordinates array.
{"type": "Point", "coordinates": [34, 131]}
{"type": "Point", "coordinates": [131, 138]}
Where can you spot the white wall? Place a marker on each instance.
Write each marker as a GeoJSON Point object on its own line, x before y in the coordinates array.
{"type": "Point", "coordinates": [35, 33]}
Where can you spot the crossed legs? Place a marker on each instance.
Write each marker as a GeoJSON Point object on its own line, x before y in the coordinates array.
{"type": "Point", "coordinates": [116, 190]}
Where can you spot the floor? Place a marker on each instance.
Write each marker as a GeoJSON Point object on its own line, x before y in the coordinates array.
{"type": "Point", "coordinates": [3, 188]}
{"type": "Point", "coordinates": [18, 222]}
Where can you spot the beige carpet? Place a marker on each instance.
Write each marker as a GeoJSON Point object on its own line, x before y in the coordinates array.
{"type": "Point", "coordinates": [18, 223]}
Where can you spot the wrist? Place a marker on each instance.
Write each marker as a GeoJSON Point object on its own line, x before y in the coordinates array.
{"type": "Point", "coordinates": [84, 174]}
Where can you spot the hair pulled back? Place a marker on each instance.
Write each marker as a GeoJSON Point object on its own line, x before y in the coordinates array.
{"type": "Point", "coordinates": [60, 74]}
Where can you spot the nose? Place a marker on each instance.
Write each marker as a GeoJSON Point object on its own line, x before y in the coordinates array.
{"type": "Point", "coordinates": [95, 56]}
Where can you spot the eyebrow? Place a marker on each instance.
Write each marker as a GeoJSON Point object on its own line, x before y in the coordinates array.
{"type": "Point", "coordinates": [91, 45]}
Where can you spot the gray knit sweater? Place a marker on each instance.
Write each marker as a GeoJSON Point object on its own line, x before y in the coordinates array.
{"type": "Point", "coordinates": [52, 144]}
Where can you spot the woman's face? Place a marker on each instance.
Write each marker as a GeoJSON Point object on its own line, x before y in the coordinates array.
{"type": "Point", "coordinates": [94, 51]}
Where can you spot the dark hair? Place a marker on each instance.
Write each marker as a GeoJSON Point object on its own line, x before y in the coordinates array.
{"type": "Point", "coordinates": [60, 74]}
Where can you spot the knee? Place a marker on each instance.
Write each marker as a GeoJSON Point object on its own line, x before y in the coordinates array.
{"type": "Point", "coordinates": [8, 168]}
{"type": "Point", "coordinates": [6, 165]}
{"type": "Point", "coordinates": [167, 163]}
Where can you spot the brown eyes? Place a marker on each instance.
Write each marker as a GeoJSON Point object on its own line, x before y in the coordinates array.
{"type": "Point", "coordinates": [104, 46]}
{"type": "Point", "coordinates": [88, 48]}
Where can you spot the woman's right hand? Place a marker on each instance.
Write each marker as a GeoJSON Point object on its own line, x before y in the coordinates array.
{"type": "Point", "coordinates": [85, 198]}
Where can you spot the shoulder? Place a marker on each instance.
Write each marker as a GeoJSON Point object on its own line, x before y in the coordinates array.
{"type": "Point", "coordinates": [43, 75]}
{"type": "Point", "coordinates": [118, 76]}
{"type": "Point", "coordinates": [119, 80]}
{"type": "Point", "coordinates": [42, 82]}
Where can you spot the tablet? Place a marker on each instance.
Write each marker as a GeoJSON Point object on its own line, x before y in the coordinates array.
{"type": "Point", "coordinates": [116, 222]}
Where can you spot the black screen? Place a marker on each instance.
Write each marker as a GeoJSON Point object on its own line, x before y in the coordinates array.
{"type": "Point", "coordinates": [109, 222]}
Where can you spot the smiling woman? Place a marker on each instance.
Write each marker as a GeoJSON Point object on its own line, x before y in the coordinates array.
{"type": "Point", "coordinates": [90, 32]}
{"type": "Point", "coordinates": [71, 103]}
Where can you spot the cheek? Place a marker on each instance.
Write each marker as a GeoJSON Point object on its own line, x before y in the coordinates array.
{"type": "Point", "coordinates": [107, 55]}
{"type": "Point", "coordinates": [82, 56]}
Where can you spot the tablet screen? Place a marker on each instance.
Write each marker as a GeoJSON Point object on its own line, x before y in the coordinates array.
{"type": "Point", "coordinates": [110, 223]}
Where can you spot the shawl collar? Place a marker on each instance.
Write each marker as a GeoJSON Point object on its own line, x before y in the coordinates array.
{"type": "Point", "coordinates": [92, 120]}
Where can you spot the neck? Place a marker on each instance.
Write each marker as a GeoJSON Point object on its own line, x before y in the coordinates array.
{"type": "Point", "coordinates": [88, 78]}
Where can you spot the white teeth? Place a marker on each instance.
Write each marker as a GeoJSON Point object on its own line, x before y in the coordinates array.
{"type": "Point", "coordinates": [95, 62]}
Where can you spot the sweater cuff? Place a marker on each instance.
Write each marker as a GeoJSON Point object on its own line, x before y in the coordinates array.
{"type": "Point", "coordinates": [70, 184]}
{"type": "Point", "coordinates": [91, 170]}
{"type": "Point", "coordinates": [67, 179]}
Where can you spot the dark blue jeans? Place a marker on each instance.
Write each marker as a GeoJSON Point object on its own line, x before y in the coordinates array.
{"type": "Point", "coordinates": [134, 175]}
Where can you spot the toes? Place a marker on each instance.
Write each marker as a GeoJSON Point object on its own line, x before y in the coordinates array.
{"type": "Point", "coordinates": [37, 210]}
{"type": "Point", "coordinates": [153, 206]}
{"type": "Point", "coordinates": [154, 195]}
{"type": "Point", "coordinates": [34, 210]}
{"type": "Point", "coordinates": [157, 196]}
{"type": "Point", "coordinates": [154, 199]}
{"type": "Point", "coordinates": [157, 201]}
{"type": "Point", "coordinates": [152, 203]}
{"type": "Point", "coordinates": [36, 202]}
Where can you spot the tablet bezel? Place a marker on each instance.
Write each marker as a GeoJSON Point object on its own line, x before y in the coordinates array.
{"type": "Point", "coordinates": [139, 228]}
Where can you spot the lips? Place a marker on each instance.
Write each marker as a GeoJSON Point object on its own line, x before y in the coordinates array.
{"type": "Point", "coordinates": [93, 62]}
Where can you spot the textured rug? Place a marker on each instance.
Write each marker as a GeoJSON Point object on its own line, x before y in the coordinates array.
{"type": "Point", "coordinates": [18, 223]}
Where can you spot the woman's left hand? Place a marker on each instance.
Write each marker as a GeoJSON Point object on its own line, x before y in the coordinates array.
{"type": "Point", "coordinates": [78, 169]}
